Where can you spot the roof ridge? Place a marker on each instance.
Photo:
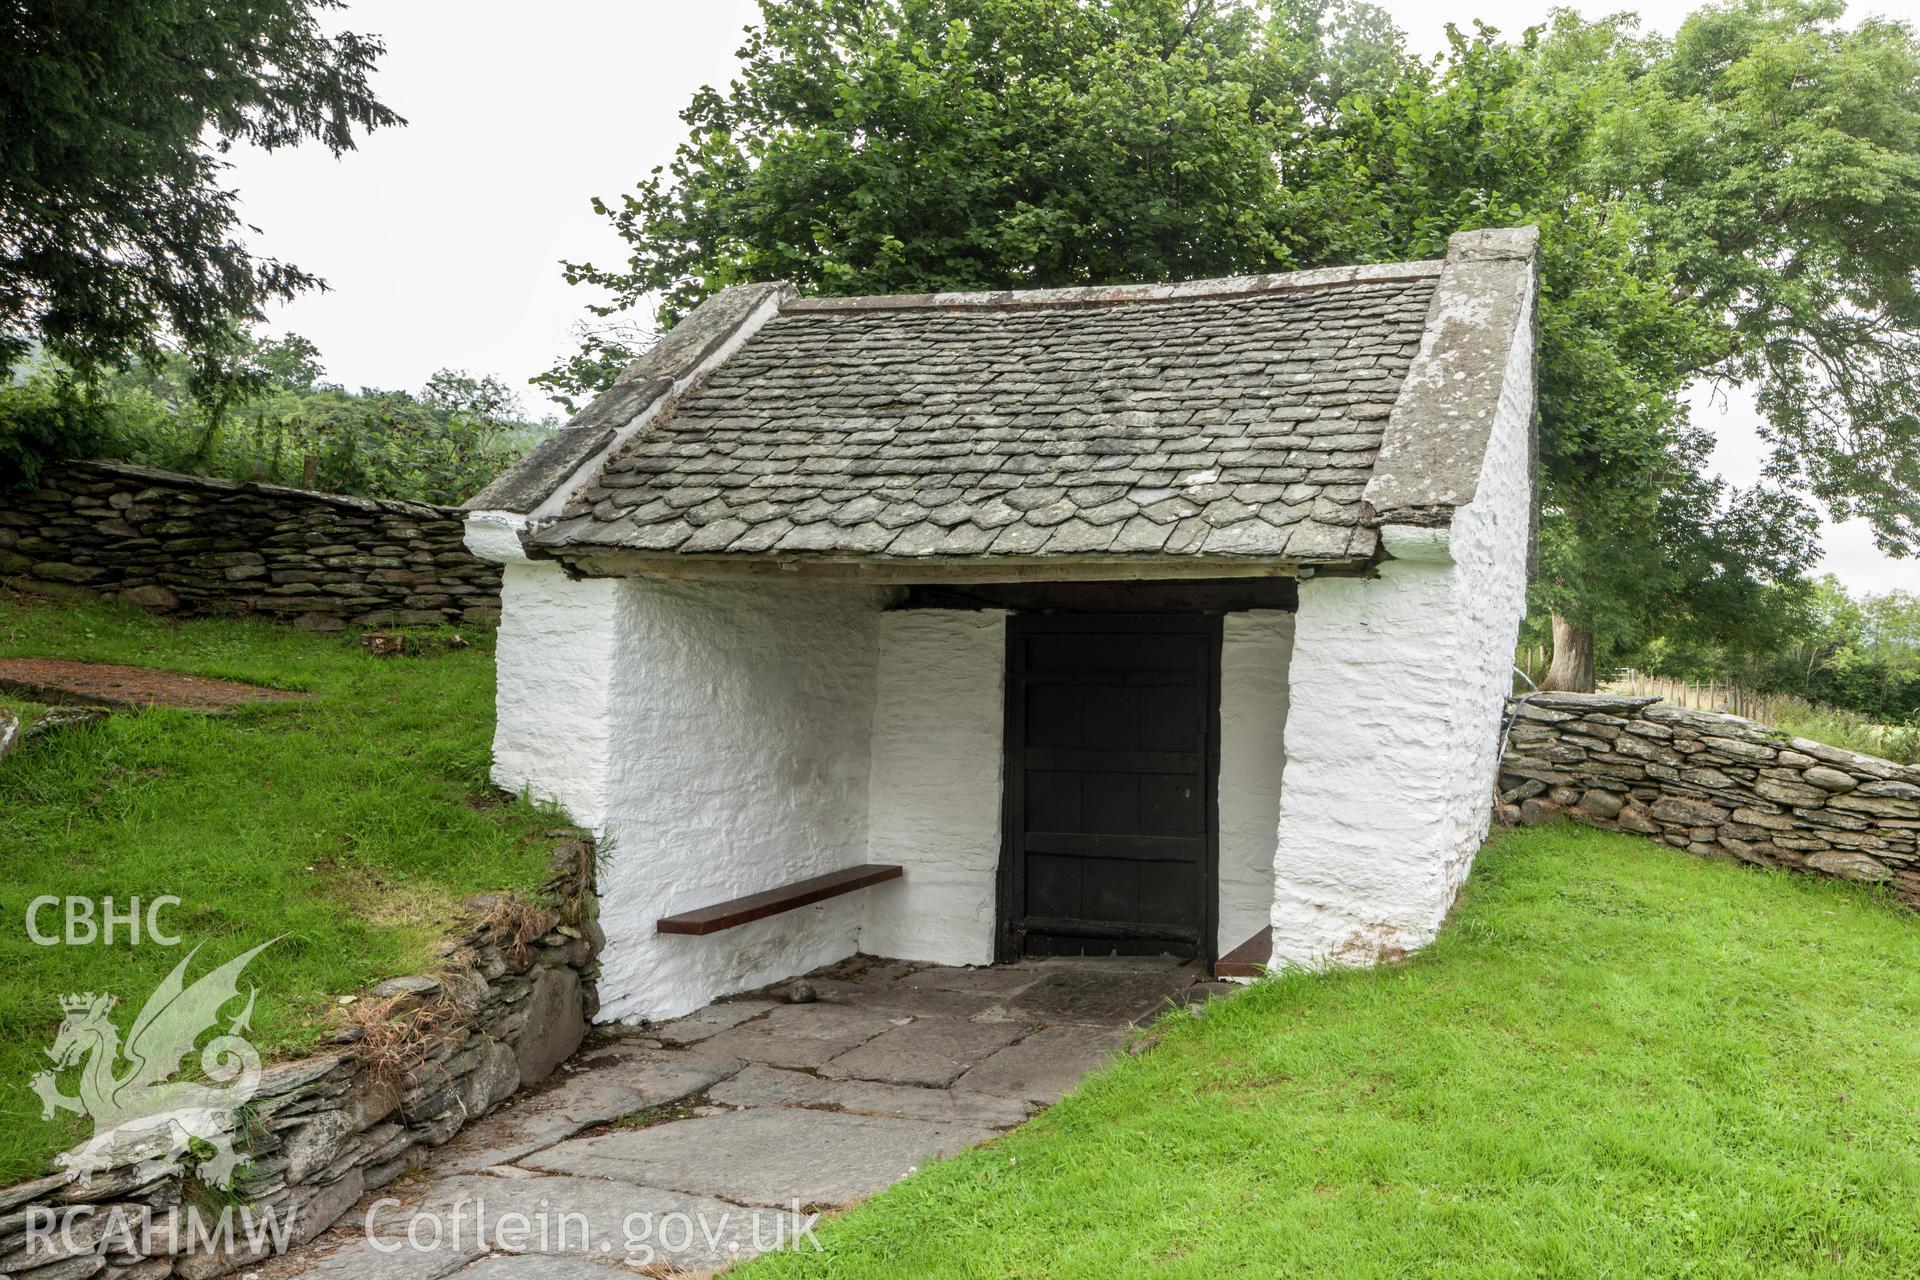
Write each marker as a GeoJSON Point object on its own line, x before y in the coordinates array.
{"type": "Point", "coordinates": [1121, 294]}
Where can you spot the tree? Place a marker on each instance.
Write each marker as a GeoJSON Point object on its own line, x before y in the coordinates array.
{"type": "Point", "coordinates": [291, 363]}
{"type": "Point", "coordinates": [969, 144]}
{"type": "Point", "coordinates": [1773, 158]}
{"type": "Point", "coordinates": [1740, 202]}
{"type": "Point", "coordinates": [461, 394]}
{"type": "Point", "coordinates": [115, 232]}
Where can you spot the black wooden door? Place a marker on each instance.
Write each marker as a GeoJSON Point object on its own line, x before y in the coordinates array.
{"type": "Point", "coordinates": [1112, 725]}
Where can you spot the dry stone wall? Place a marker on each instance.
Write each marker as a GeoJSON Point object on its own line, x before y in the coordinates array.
{"type": "Point", "coordinates": [186, 544]}
{"type": "Point", "coordinates": [514, 1001]}
{"type": "Point", "coordinates": [1715, 785]}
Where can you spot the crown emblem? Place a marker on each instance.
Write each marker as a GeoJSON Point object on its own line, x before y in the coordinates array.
{"type": "Point", "coordinates": [85, 1002]}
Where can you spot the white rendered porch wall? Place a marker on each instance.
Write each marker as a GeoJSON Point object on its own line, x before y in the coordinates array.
{"type": "Point", "coordinates": [739, 718]}
{"type": "Point", "coordinates": [1254, 655]}
{"type": "Point", "coordinates": [1393, 737]}
{"type": "Point", "coordinates": [555, 659]}
{"type": "Point", "coordinates": [938, 751]}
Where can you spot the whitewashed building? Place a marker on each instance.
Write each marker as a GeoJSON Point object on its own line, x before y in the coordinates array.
{"type": "Point", "coordinates": [1145, 618]}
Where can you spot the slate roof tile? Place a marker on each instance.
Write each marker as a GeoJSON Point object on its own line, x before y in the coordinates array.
{"type": "Point", "coordinates": [1244, 423]}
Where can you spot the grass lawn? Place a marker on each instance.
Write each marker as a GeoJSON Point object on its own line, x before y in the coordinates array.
{"type": "Point", "coordinates": [353, 824]}
{"type": "Point", "coordinates": [1617, 1060]}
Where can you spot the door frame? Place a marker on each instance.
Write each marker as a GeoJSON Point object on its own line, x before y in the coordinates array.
{"type": "Point", "coordinates": [1011, 875]}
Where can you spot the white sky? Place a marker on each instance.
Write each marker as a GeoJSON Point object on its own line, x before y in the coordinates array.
{"type": "Point", "coordinates": [441, 241]}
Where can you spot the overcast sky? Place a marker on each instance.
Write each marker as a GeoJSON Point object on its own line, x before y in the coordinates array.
{"type": "Point", "coordinates": [441, 241]}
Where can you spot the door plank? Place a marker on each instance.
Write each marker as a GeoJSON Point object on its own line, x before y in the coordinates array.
{"type": "Point", "coordinates": [1112, 762]}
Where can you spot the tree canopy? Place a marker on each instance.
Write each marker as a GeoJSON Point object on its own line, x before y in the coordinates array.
{"type": "Point", "coordinates": [115, 231]}
{"type": "Point", "coordinates": [1738, 202]}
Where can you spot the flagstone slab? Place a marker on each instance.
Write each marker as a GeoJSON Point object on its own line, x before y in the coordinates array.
{"type": "Point", "coordinates": [356, 1258]}
{"type": "Point", "coordinates": [1044, 1067]}
{"type": "Point", "coordinates": [590, 1217]}
{"type": "Point", "coordinates": [768, 1156]}
{"type": "Point", "coordinates": [537, 1266]}
{"type": "Point", "coordinates": [998, 981]}
{"type": "Point", "coordinates": [769, 1087]}
{"type": "Point", "coordinates": [618, 1086]}
{"type": "Point", "coordinates": [709, 1022]}
{"type": "Point", "coordinates": [899, 1000]}
{"type": "Point", "coordinates": [1098, 996]}
{"type": "Point", "coordinates": [930, 1052]}
{"type": "Point", "coordinates": [801, 1035]}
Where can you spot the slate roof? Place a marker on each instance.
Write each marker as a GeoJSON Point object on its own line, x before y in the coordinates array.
{"type": "Point", "coordinates": [1235, 425]}
{"type": "Point", "coordinates": [1226, 419]}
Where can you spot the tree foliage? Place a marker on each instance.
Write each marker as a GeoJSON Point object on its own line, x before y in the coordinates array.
{"type": "Point", "coordinates": [1739, 202]}
{"type": "Point", "coordinates": [1860, 653]}
{"type": "Point", "coordinates": [288, 426]}
{"type": "Point", "coordinates": [115, 231]}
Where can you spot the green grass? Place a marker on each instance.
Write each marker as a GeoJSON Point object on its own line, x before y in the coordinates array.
{"type": "Point", "coordinates": [1616, 1061]}
{"type": "Point", "coordinates": [350, 825]}
{"type": "Point", "coordinates": [1848, 730]}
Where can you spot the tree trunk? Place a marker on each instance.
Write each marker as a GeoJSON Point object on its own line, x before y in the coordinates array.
{"type": "Point", "coordinates": [1571, 670]}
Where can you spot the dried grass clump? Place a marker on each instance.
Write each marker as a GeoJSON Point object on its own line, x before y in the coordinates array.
{"type": "Point", "coordinates": [393, 1041]}
{"type": "Point", "coordinates": [514, 925]}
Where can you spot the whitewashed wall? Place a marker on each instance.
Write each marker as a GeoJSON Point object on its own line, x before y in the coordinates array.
{"type": "Point", "coordinates": [556, 657]}
{"type": "Point", "coordinates": [1255, 651]}
{"type": "Point", "coordinates": [938, 751]}
{"type": "Point", "coordinates": [740, 718]}
{"type": "Point", "coordinates": [1392, 741]}
{"type": "Point", "coordinates": [723, 739]}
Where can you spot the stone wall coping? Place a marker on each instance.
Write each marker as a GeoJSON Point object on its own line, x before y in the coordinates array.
{"type": "Point", "coordinates": [1610, 703]}
{"type": "Point", "coordinates": [1584, 701]}
{"type": "Point", "coordinates": [154, 477]}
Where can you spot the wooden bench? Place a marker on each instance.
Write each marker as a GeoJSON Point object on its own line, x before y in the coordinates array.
{"type": "Point", "coordinates": [758, 906]}
{"type": "Point", "coordinates": [1249, 959]}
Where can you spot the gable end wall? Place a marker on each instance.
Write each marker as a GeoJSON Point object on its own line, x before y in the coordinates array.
{"type": "Point", "coordinates": [1397, 684]}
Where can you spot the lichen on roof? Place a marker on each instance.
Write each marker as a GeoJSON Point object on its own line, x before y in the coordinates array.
{"type": "Point", "coordinates": [1265, 422]}
{"type": "Point", "coordinates": [1229, 425]}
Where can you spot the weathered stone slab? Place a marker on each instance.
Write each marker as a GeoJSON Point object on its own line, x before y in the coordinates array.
{"type": "Point", "coordinates": [555, 1026]}
{"type": "Point", "coordinates": [594, 1096]}
{"type": "Point", "coordinates": [357, 1259]}
{"type": "Point", "coordinates": [1101, 995]}
{"type": "Point", "coordinates": [1781, 791]}
{"type": "Point", "coordinates": [801, 1035]}
{"type": "Point", "coordinates": [1046, 1065]}
{"type": "Point", "coordinates": [1694, 813]}
{"type": "Point", "coordinates": [996, 981]}
{"type": "Point", "coordinates": [1881, 806]}
{"type": "Point", "coordinates": [765, 1155]}
{"type": "Point", "coordinates": [1107, 964]}
{"type": "Point", "coordinates": [931, 1052]}
{"type": "Point", "coordinates": [770, 1087]}
{"type": "Point", "coordinates": [1851, 866]}
{"type": "Point", "coordinates": [537, 1266]}
{"type": "Point", "coordinates": [897, 1001]}
{"type": "Point", "coordinates": [581, 1214]}
{"type": "Point", "coordinates": [710, 1021]}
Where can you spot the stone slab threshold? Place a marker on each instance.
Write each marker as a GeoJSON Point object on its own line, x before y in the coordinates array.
{"type": "Point", "coordinates": [685, 1147]}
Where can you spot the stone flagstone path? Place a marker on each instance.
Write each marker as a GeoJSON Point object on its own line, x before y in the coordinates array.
{"type": "Point", "coordinates": [685, 1147]}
